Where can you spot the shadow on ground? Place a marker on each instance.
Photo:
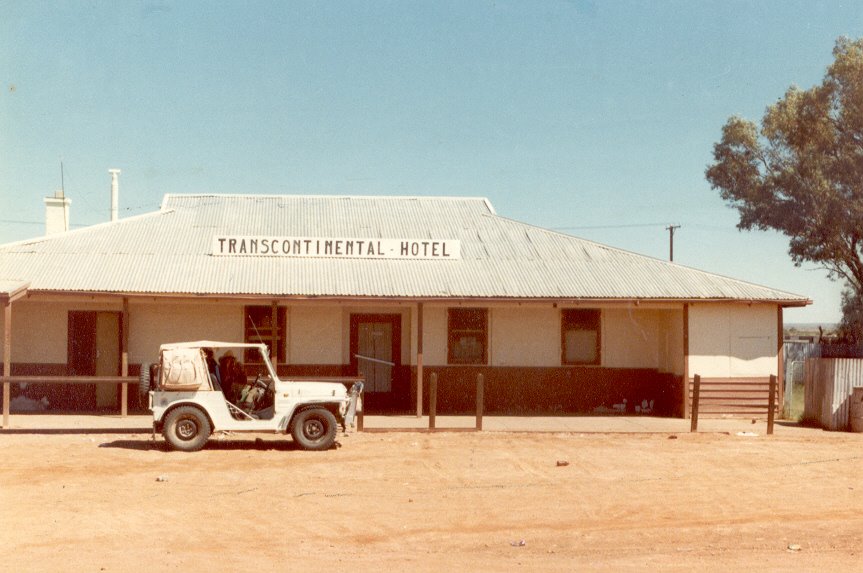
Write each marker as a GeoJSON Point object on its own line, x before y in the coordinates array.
{"type": "Point", "coordinates": [214, 444]}
{"type": "Point", "coordinates": [73, 431]}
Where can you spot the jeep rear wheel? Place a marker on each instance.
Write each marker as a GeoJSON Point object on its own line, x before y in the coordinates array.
{"type": "Point", "coordinates": [314, 429]}
{"type": "Point", "coordinates": [186, 429]}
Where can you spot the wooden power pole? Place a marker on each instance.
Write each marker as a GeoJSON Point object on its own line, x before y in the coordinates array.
{"type": "Point", "coordinates": [671, 229]}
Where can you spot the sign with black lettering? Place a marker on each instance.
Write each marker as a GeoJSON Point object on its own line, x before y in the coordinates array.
{"type": "Point", "coordinates": [321, 247]}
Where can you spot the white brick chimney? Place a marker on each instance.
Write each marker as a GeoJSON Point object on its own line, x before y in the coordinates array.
{"type": "Point", "coordinates": [57, 213]}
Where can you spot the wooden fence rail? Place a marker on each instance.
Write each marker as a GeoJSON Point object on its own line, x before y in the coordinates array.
{"type": "Point", "coordinates": [125, 381]}
{"type": "Point", "coordinates": [733, 397]}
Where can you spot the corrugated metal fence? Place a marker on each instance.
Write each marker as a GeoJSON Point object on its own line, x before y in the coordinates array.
{"type": "Point", "coordinates": [828, 385]}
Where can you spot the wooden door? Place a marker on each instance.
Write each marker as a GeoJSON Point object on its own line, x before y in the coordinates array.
{"type": "Point", "coordinates": [93, 349]}
{"type": "Point", "coordinates": [107, 357]}
{"type": "Point", "coordinates": [376, 350]}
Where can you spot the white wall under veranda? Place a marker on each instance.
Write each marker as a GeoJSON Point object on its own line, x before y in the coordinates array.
{"type": "Point", "coordinates": [733, 340]}
{"type": "Point", "coordinates": [530, 336]}
{"type": "Point", "coordinates": [523, 336]}
{"type": "Point", "coordinates": [315, 335]}
{"type": "Point", "coordinates": [643, 338]}
{"type": "Point", "coordinates": [163, 322]}
{"type": "Point", "coordinates": [526, 335]}
{"type": "Point", "coordinates": [38, 331]}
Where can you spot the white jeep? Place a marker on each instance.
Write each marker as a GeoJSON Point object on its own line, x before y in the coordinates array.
{"type": "Point", "coordinates": [198, 388]}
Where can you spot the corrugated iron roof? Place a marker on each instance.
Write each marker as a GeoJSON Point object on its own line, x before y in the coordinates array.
{"type": "Point", "coordinates": [11, 289]}
{"type": "Point", "coordinates": [169, 252]}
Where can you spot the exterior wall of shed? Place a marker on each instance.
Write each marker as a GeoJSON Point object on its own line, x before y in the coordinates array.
{"type": "Point", "coordinates": [733, 340]}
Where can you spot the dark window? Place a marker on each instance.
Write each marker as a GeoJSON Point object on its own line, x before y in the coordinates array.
{"type": "Point", "coordinates": [467, 336]}
{"type": "Point", "coordinates": [260, 327]}
{"type": "Point", "coordinates": [580, 336]}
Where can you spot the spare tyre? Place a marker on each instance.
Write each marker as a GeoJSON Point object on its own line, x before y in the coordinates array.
{"type": "Point", "coordinates": [145, 383]}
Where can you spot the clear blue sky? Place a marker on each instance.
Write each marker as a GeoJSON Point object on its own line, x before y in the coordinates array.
{"type": "Point", "coordinates": [594, 118]}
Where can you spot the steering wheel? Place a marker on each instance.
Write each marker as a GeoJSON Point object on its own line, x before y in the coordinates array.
{"type": "Point", "coordinates": [259, 381]}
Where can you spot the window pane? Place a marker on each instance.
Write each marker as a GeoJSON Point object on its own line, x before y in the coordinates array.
{"type": "Point", "coordinates": [467, 349]}
{"type": "Point", "coordinates": [259, 327]}
{"type": "Point", "coordinates": [580, 336]}
{"type": "Point", "coordinates": [580, 347]}
{"type": "Point", "coordinates": [467, 335]}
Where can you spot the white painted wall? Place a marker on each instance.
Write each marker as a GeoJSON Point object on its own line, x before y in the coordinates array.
{"type": "Point", "coordinates": [39, 328]}
{"type": "Point", "coordinates": [315, 335]}
{"type": "Point", "coordinates": [434, 335]}
{"type": "Point", "coordinates": [672, 342]}
{"type": "Point", "coordinates": [522, 336]}
{"type": "Point", "coordinates": [631, 338]}
{"type": "Point", "coordinates": [731, 340]}
{"type": "Point", "coordinates": [38, 332]}
{"type": "Point", "coordinates": [643, 338]}
{"type": "Point", "coordinates": [530, 336]}
{"type": "Point", "coordinates": [154, 324]}
{"type": "Point", "coordinates": [725, 339]}
{"type": "Point", "coordinates": [518, 336]}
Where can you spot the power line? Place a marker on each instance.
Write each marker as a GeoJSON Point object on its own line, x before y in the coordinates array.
{"type": "Point", "coordinates": [90, 211]}
{"type": "Point", "coordinates": [11, 222]}
{"type": "Point", "coordinates": [634, 225]}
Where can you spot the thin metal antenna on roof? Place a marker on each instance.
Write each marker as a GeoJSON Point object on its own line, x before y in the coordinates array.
{"type": "Point", "coordinates": [62, 182]}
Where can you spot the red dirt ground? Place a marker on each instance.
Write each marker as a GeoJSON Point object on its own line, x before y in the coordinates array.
{"type": "Point", "coordinates": [434, 502]}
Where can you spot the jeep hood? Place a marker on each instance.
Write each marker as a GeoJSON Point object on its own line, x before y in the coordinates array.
{"type": "Point", "coordinates": [314, 389]}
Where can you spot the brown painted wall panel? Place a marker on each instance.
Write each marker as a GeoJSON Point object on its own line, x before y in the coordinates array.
{"type": "Point", "coordinates": [60, 396]}
{"type": "Point", "coordinates": [573, 390]}
{"type": "Point", "coordinates": [508, 390]}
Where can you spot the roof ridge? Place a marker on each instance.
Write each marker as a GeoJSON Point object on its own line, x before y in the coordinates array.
{"type": "Point", "coordinates": [323, 196]}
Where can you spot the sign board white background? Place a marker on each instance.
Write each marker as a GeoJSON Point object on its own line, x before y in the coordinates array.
{"type": "Point", "coordinates": [327, 247]}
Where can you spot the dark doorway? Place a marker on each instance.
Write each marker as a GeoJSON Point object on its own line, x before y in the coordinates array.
{"type": "Point", "coordinates": [376, 354]}
{"type": "Point", "coordinates": [93, 349]}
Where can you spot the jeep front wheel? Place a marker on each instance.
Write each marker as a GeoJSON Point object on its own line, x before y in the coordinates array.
{"type": "Point", "coordinates": [314, 429]}
{"type": "Point", "coordinates": [186, 429]}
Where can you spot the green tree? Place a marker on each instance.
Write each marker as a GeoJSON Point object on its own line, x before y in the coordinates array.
{"type": "Point", "coordinates": [851, 327]}
{"type": "Point", "coordinates": [801, 173]}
